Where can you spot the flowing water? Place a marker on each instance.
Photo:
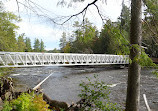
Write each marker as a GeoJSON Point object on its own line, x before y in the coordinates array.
{"type": "Point", "coordinates": [63, 85]}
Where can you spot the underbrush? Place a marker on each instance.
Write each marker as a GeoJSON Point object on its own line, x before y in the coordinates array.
{"type": "Point", "coordinates": [26, 102]}
{"type": "Point", "coordinates": [5, 71]}
{"type": "Point", "coordinates": [95, 96]}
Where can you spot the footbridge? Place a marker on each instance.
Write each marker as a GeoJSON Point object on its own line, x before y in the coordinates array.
{"type": "Point", "coordinates": [30, 59]}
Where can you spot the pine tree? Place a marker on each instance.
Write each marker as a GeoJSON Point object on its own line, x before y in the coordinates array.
{"type": "Point", "coordinates": [36, 45]}
{"type": "Point", "coordinates": [125, 18]}
{"type": "Point", "coordinates": [21, 43]}
{"type": "Point", "coordinates": [42, 47]}
{"type": "Point", "coordinates": [28, 45]}
{"type": "Point", "coordinates": [63, 42]}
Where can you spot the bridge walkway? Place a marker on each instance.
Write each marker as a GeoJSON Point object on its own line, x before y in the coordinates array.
{"type": "Point", "coordinates": [30, 59]}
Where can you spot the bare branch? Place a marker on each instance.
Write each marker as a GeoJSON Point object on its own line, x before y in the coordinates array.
{"type": "Point", "coordinates": [150, 28]}
{"type": "Point", "coordinates": [99, 13]}
{"type": "Point", "coordinates": [60, 20]}
{"type": "Point", "coordinates": [85, 9]}
{"type": "Point", "coordinates": [17, 4]}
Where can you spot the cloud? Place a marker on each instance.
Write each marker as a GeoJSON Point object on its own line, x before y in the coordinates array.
{"type": "Point", "coordinates": [35, 27]}
{"type": "Point", "coordinates": [45, 32]}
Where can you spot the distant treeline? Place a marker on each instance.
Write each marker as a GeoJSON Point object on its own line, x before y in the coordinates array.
{"type": "Point", "coordinates": [10, 40]}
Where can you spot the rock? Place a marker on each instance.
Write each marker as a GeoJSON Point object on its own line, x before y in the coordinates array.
{"type": "Point", "coordinates": [54, 103]}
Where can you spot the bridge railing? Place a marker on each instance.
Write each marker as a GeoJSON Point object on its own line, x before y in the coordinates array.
{"type": "Point", "coordinates": [25, 59]}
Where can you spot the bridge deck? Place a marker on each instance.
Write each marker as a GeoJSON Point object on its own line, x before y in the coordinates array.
{"type": "Point", "coordinates": [29, 59]}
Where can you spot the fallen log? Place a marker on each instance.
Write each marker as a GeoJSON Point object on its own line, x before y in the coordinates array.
{"type": "Point", "coordinates": [146, 102]}
{"type": "Point", "coordinates": [38, 85]}
{"type": "Point", "coordinates": [52, 103]}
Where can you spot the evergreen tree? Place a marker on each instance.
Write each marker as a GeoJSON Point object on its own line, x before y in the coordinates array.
{"type": "Point", "coordinates": [63, 42]}
{"type": "Point", "coordinates": [150, 28]}
{"type": "Point", "coordinates": [125, 18]}
{"type": "Point", "coordinates": [21, 43]}
{"type": "Point", "coordinates": [54, 51]}
{"type": "Point", "coordinates": [36, 45]}
{"type": "Point", "coordinates": [28, 45]}
{"type": "Point", "coordinates": [83, 37]}
{"type": "Point", "coordinates": [42, 47]}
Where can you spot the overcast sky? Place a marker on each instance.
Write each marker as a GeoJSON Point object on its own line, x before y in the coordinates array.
{"type": "Point", "coordinates": [37, 27]}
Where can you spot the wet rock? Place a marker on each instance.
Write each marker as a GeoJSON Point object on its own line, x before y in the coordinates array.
{"type": "Point", "coordinates": [55, 103]}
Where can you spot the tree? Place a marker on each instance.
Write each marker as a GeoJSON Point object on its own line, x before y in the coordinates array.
{"type": "Point", "coordinates": [28, 45]}
{"type": "Point", "coordinates": [37, 45]}
{"type": "Point", "coordinates": [150, 28]}
{"type": "Point", "coordinates": [8, 29]}
{"type": "Point", "coordinates": [42, 47]}
{"type": "Point", "coordinates": [105, 40]}
{"type": "Point", "coordinates": [21, 43]}
{"type": "Point", "coordinates": [63, 41]}
{"type": "Point", "coordinates": [125, 18]}
{"type": "Point", "coordinates": [83, 37]}
{"type": "Point", "coordinates": [66, 49]}
{"type": "Point", "coordinates": [133, 87]}
{"type": "Point", "coordinates": [110, 40]}
{"type": "Point", "coordinates": [54, 51]}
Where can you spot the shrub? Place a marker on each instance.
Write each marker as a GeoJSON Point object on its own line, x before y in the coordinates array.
{"type": "Point", "coordinates": [94, 96]}
{"type": "Point", "coordinates": [27, 102]}
{"type": "Point", "coordinates": [155, 72]}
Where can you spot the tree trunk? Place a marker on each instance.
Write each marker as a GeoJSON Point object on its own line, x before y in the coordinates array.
{"type": "Point", "coordinates": [133, 87]}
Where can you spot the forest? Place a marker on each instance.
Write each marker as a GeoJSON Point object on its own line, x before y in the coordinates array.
{"type": "Point", "coordinates": [86, 38]}
{"type": "Point", "coordinates": [10, 40]}
{"type": "Point", "coordinates": [114, 36]}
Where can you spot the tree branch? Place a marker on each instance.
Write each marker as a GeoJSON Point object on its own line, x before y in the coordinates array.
{"type": "Point", "coordinates": [84, 10]}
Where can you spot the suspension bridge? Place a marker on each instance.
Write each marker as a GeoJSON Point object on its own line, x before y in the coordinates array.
{"type": "Point", "coordinates": [31, 59]}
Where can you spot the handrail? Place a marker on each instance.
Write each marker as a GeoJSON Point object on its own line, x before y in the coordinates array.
{"type": "Point", "coordinates": [27, 59]}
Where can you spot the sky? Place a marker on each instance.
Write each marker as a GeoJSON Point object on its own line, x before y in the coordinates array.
{"type": "Point", "coordinates": [35, 26]}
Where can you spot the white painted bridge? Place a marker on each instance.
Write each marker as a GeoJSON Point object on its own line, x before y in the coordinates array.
{"type": "Point", "coordinates": [30, 59]}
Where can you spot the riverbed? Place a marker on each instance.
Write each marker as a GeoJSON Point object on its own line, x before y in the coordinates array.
{"type": "Point", "coordinates": [63, 85]}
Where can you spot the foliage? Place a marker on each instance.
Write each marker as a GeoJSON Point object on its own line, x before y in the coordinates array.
{"type": "Point", "coordinates": [7, 106]}
{"type": "Point", "coordinates": [155, 72]}
{"type": "Point", "coordinates": [42, 47]}
{"type": "Point", "coordinates": [125, 18]}
{"type": "Point", "coordinates": [54, 51]}
{"type": "Point", "coordinates": [63, 41]}
{"type": "Point", "coordinates": [150, 28]}
{"type": "Point", "coordinates": [143, 59]}
{"type": "Point", "coordinates": [8, 34]}
{"type": "Point", "coordinates": [28, 45]}
{"type": "Point", "coordinates": [95, 96]}
{"type": "Point", "coordinates": [8, 30]}
{"type": "Point", "coordinates": [66, 49]}
{"type": "Point", "coordinates": [36, 45]}
{"type": "Point", "coordinates": [4, 71]}
{"type": "Point", "coordinates": [21, 43]}
{"type": "Point", "coordinates": [86, 39]}
{"type": "Point", "coordinates": [27, 102]}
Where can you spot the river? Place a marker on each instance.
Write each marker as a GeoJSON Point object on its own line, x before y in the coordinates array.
{"type": "Point", "coordinates": [63, 85]}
